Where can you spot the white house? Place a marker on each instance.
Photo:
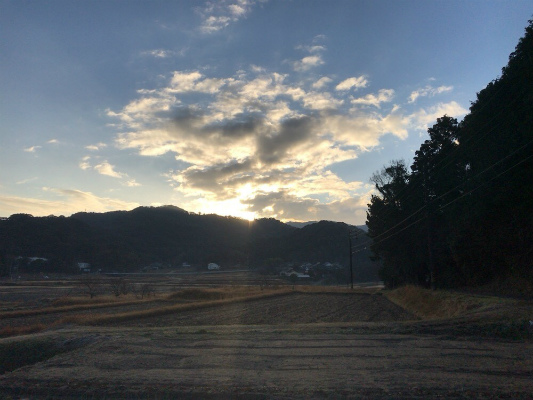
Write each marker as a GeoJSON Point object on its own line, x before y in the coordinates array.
{"type": "Point", "coordinates": [213, 266]}
{"type": "Point", "coordinates": [290, 272]}
{"type": "Point", "coordinates": [84, 267]}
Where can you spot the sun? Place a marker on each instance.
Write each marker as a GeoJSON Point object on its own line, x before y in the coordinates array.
{"type": "Point", "coordinates": [230, 207]}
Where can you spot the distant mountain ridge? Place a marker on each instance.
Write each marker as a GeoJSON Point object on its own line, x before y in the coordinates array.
{"type": "Point", "coordinates": [298, 224]}
{"type": "Point", "coordinates": [128, 240]}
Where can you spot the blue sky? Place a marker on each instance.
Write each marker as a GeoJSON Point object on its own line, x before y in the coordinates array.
{"type": "Point", "coordinates": [255, 109]}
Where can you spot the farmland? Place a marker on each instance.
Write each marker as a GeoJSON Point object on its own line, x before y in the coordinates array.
{"type": "Point", "coordinates": [261, 341]}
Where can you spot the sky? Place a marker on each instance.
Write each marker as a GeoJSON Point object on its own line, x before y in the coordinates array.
{"type": "Point", "coordinates": [248, 108]}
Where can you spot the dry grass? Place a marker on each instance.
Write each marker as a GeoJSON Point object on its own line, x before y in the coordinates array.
{"type": "Point", "coordinates": [202, 297]}
{"type": "Point", "coordinates": [432, 304]}
{"type": "Point", "coordinates": [210, 294]}
{"type": "Point", "coordinates": [21, 330]}
{"type": "Point", "coordinates": [79, 300]}
{"type": "Point", "coordinates": [336, 289]}
{"type": "Point", "coordinates": [85, 305]}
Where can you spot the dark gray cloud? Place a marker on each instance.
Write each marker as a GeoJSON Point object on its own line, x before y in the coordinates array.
{"type": "Point", "coordinates": [219, 178]}
{"type": "Point", "coordinates": [273, 149]}
{"type": "Point", "coordinates": [282, 204]}
{"type": "Point", "coordinates": [241, 126]}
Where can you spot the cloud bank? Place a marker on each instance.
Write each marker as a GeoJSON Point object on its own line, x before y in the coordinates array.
{"type": "Point", "coordinates": [263, 144]}
{"type": "Point", "coordinates": [66, 202]}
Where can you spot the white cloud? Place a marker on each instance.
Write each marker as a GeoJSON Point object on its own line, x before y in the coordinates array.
{"type": "Point", "coordinates": [132, 183]}
{"type": "Point", "coordinates": [95, 147]}
{"type": "Point", "coordinates": [237, 10]}
{"type": "Point", "coordinates": [84, 164]}
{"type": "Point", "coordinates": [158, 53]}
{"type": "Point", "coordinates": [32, 149]}
{"type": "Point", "coordinates": [184, 81]}
{"type": "Point", "coordinates": [321, 82]}
{"type": "Point", "coordinates": [428, 91]}
{"type": "Point", "coordinates": [353, 82]}
{"type": "Point", "coordinates": [104, 168]}
{"type": "Point", "coordinates": [321, 101]}
{"type": "Point", "coordinates": [24, 181]}
{"type": "Point", "coordinates": [383, 96]}
{"type": "Point", "coordinates": [307, 63]}
{"type": "Point", "coordinates": [218, 15]}
{"type": "Point", "coordinates": [427, 117]}
{"type": "Point", "coordinates": [260, 142]}
{"type": "Point", "coordinates": [313, 48]}
{"type": "Point", "coordinates": [68, 201]}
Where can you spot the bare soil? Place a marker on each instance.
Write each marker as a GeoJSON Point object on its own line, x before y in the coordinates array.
{"type": "Point", "coordinates": [300, 345]}
{"type": "Point", "coordinates": [293, 308]}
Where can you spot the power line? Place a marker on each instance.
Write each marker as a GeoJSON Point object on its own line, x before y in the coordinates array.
{"type": "Point", "coordinates": [454, 200]}
{"type": "Point", "coordinates": [412, 189]}
{"type": "Point", "coordinates": [400, 195]}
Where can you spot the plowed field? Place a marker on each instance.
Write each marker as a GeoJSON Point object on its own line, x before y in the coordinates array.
{"type": "Point", "coordinates": [294, 308]}
{"type": "Point", "coordinates": [295, 345]}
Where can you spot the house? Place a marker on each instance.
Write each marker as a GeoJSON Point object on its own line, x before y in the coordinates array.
{"type": "Point", "coordinates": [84, 267]}
{"type": "Point", "coordinates": [287, 272]}
{"type": "Point", "coordinates": [213, 266]}
{"type": "Point", "coordinates": [290, 272]}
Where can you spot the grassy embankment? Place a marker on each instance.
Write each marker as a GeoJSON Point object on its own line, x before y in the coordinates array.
{"type": "Point", "coordinates": [436, 304]}
{"type": "Point", "coordinates": [466, 314]}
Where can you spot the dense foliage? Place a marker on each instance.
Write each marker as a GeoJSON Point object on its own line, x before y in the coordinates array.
{"type": "Point", "coordinates": [463, 213]}
{"type": "Point", "coordinates": [129, 240]}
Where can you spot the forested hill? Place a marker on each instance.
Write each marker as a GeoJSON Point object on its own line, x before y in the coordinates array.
{"type": "Point", "coordinates": [462, 214]}
{"type": "Point", "coordinates": [129, 240]}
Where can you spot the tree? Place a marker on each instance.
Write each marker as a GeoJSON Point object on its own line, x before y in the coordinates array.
{"type": "Point", "coordinates": [465, 212]}
{"type": "Point", "coordinates": [436, 173]}
{"type": "Point", "coordinates": [392, 224]}
{"type": "Point", "coordinates": [90, 285]}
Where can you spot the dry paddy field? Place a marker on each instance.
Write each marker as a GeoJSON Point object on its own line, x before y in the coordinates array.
{"type": "Point", "coordinates": [245, 342]}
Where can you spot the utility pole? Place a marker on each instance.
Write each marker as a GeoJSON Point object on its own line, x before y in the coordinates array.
{"type": "Point", "coordinates": [351, 256]}
{"type": "Point", "coordinates": [429, 219]}
{"type": "Point", "coordinates": [351, 263]}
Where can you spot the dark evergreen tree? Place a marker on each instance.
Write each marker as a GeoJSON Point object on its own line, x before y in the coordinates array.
{"type": "Point", "coordinates": [470, 192]}
{"type": "Point", "coordinates": [392, 221]}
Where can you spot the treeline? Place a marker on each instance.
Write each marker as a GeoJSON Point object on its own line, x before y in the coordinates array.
{"type": "Point", "coordinates": [125, 241]}
{"type": "Point", "coordinates": [462, 214]}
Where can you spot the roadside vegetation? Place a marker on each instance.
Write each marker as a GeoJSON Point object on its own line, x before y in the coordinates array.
{"type": "Point", "coordinates": [436, 304]}
{"type": "Point", "coordinates": [465, 314]}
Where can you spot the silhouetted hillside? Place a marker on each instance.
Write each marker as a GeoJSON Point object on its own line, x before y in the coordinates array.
{"type": "Point", "coordinates": [129, 240]}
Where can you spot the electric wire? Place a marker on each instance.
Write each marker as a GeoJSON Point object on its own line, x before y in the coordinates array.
{"type": "Point", "coordinates": [377, 239]}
